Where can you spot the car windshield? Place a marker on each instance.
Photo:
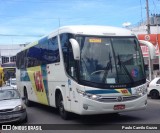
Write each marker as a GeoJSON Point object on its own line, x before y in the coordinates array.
{"type": "Point", "coordinates": [110, 60]}
{"type": "Point", "coordinates": [9, 94]}
{"type": "Point", "coordinates": [13, 82]}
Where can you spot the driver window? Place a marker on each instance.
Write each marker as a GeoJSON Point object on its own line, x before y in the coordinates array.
{"type": "Point", "coordinates": [69, 62]}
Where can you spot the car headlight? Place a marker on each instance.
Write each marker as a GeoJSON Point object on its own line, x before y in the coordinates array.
{"type": "Point", "coordinates": [141, 90]}
{"type": "Point", "coordinates": [88, 95]}
{"type": "Point", "coordinates": [19, 107]}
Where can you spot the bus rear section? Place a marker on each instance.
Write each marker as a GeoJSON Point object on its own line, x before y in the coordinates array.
{"type": "Point", "coordinates": [9, 70]}
{"type": "Point", "coordinates": [1, 77]}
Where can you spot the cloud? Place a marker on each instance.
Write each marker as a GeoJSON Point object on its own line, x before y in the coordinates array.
{"type": "Point", "coordinates": [126, 24]}
{"type": "Point", "coordinates": [41, 17]}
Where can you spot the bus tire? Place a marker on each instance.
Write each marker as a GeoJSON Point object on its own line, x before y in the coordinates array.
{"type": "Point", "coordinates": [26, 101]}
{"type": "Point", "coordinates": [60, 104]}
{"type": "Point", "coordinates": [154, 94]}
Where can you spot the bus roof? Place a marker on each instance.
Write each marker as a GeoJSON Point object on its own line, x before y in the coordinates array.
{"type": "Point", "coordinates": [93, 30]}
{"type": "Point", "coordinates": [9, 65]}
{"type": "Point", "coordinates": [87, 30]}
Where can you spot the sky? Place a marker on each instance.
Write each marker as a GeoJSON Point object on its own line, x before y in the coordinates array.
{"type": "Point", "coordinates": [24, 21]}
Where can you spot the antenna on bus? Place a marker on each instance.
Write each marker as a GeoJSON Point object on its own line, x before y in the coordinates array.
{"type": "Point", "coordinates": [59, 22]}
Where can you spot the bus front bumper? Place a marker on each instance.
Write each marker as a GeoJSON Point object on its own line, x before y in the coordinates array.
{"type": "Point", "coordinates": [90, 107]}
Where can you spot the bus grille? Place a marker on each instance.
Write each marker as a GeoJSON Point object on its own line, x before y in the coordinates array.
{"type": "Point", "coordinates": [114, 99]}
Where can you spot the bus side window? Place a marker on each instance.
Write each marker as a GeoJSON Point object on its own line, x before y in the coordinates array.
{"type": "Point", "coordinates": [72, 63]}
{"type": "Point", "coordinates": [53, 50]}
{"type": "Point", "coordinates": [20, 60]}
{"type": "Point", "coordinates": [69, 62]}
{"type": "Point", "coordinates": [64, 43]}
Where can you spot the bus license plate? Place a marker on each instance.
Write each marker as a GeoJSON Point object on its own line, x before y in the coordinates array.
{"type": "Point", "coordinates": [119, 107]}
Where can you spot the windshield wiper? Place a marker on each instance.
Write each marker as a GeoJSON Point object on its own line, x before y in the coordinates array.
{"type": "Point", "coordinates": [108, 67]}
{"type": "Point", "coordinates": [120, 63]}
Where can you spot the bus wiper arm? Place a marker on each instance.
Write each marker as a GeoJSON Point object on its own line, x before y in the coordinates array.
{"type": "Point", "coordinates": [108, 67]}
{"type": "Point", "coordinates": [120, 63]}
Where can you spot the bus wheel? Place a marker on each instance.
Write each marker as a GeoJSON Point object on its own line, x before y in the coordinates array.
{"type": "Point", "coordinates": [60, 103]}
{"type": "Point", "coordinates": [154, 94]}
{"type": "Point", "coordinates": [26, 101]}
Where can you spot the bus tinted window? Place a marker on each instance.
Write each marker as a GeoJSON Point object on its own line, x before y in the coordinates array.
{"type": "Point", "coordinates": [45, 52]}
{"type": "Point", "coordinates": [53, 51]}
{"type": "Point", "coordinates": [20, 63]}
{"type": "Point", "coordinates": [33, 56]}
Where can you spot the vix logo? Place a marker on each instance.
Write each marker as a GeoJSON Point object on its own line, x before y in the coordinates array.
{"type": "Point", "coordinates": [38, 81]}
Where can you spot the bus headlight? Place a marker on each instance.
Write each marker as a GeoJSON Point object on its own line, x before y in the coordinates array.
{"type": "Point", "coordinates": [141, 90]}
{"type": "Point", "coordinates": [88, 95]}
{"type": "Point", "coordinates": [91, 96]}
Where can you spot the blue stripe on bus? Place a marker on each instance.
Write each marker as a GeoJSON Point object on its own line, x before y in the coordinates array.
{"type": "Point", "coordinates": [107, 91]}
{"type": "Point", "coordinates": [102, 91]}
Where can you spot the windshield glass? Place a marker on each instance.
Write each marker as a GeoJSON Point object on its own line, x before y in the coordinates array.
{"type": "Point", "coordinates": [110, 60]}
{"type": "Point", "coordinates": [13, 81]}
{"type": "Point", "coordinates": [9, 94]}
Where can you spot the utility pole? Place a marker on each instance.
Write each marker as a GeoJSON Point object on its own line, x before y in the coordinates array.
{"type": "Point", "coordinates": [150, 62]}
{"type": "Point", "coordinates": [148, 20]}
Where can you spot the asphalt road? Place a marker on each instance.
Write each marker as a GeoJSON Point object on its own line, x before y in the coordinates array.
{"type": "Point", "coordinates": [40, 114]}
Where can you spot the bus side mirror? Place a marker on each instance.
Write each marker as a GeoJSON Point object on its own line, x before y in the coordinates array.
{"type": "Point", "coordinates": [76, 48]}
{"type": "Point", "coordinates": [152, 53]}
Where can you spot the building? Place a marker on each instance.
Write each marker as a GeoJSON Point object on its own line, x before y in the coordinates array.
{"type": "Point", "coordinates": [8, 53]}
{"type": "Point", "coordinates": [141, 31]}
{"type": "Point", "coordinates": [141, 28]}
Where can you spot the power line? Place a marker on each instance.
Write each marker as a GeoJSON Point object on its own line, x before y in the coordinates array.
{"type": "Point", "coordinates": [21, 35]}
{"type": "Point", "coordinates": [141, 11]}
{"type": "Point", "coordinates": [38, 1]}
{"type": "Point", "coordinates": [57, 18]}
{"type": "Point", "coordinates": [155, 7]}
{"type": "Point", "coordinates": [29, 17]}
{"type": "Point", "coordinates": [8, 49]}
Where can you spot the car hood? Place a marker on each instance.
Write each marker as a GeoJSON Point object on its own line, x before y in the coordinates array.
{"type": "Point", "coordinates": [14, 86]}
{"type": "Point", "coordinates": [10, 104]}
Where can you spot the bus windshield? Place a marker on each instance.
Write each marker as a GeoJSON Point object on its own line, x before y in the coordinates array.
{"type": "Point", "coordinates": [110, 60]}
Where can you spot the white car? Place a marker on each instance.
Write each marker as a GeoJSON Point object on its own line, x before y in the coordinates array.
{"type": "Point", "coordinates": [12, 82]}
{"type": "Point", "coordinates": [12, 108]}
{"type": "Point", "coordinates": [154, 88]}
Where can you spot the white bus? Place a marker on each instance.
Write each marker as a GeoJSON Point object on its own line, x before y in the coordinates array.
{"type": "Point", "coordinates": [84, 70]}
